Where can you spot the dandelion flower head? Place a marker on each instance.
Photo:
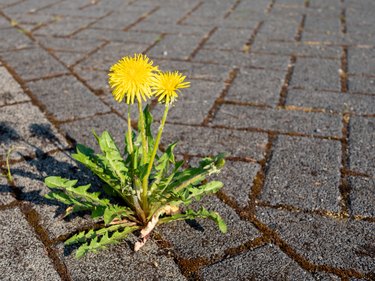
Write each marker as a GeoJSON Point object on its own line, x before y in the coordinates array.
{"type": "Point", "coordinates": [166, 85]}
{"type": "Point", "coordinates": [131, 78]}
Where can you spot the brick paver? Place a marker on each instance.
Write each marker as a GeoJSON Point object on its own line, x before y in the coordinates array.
{"type": "Point", "coordinates": [286, 87]}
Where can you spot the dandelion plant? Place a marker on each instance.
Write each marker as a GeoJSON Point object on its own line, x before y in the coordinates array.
{"type": "Point", "coordinates": [142, 187]}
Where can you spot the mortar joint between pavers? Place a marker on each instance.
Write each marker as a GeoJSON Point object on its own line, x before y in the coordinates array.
{"type": "Point", "coordinates": [141, 18]}
{"type": "Point", "coordinates": [188, 14]}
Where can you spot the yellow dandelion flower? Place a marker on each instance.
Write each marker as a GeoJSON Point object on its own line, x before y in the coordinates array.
{"type": "Point", "coordinates": [131, 77]}
{"type": "Point", "coordinates": [166, 85]}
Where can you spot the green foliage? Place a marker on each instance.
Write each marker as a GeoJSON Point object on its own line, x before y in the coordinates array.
{"type": "Point", "coordinates": [119, 207]}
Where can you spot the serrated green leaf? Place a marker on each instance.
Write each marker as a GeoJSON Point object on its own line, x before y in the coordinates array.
{"type": "Point", "coordinates": [197, 192]}
{"type": "Point", "coordinates": [59, 182]}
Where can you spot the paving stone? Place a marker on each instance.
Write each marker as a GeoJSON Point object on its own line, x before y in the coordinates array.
{"type": "Point", "coordinates": [326, 38]}
{"type": "Point", "coordinates": [362, 196]}
{"type": "Point", "coordinates": [237, 59]}
{"type": "Point", "coordinates": [118, 36]}
{"type": "Point", "coordinates": [119, 262]}
{"type": "Point", "coordinates": [263, 263]}
{"type": "Point", "coordinates": [64, 26]}
{"type": "Point", "coordinates": [250, 86]}
{"type": "Point", "coordinates": [6, 192]}
{"type": "Point", "coordinates": [15, 40]}
{"type": "Point", "coordinates": [23, 256]}
{"type": "Point", "coordinates": [33, 63]}
{"type": "Point", "coordinates": [202, 238]}
{"type": "Point", "coordinates": [193, 104]}
{"type": "Point", "coordinates": [277, 30]}
{"type": "Point", "coordinates": [66, 98]}
{"type": "Point", "coordinates": [171, 14]}
{"type": "Point", "coordinates": [296, 48]}
{"type": "Point", "coordinates": [192, 70]}
{"type": "Point", "coordinates": [208, 141]}
{"type": "Point", "coordinates": [316, 74]}
{"type": "Point", "coordinates": [340, 243]}
{"type": "Point", "coordinates": [361, 61]}
{"type": "Point", "coordinates": [96, 79]}
{"type": "Point", "coordinates": [322, 24]}
{"type": "Point", "coordinates": [175, 46]}
{"type": "Point", "coordinates": [310, 177]}
{"type": "Point", "coordinates": [28, 6]}
{"type": "Point", "coordinates": [10, 90]}
{"type": "Point", "coordinates": [80, 9]}
{"type": "Point", "coordinates": [70, 58]}
{"type": "Point", "coordinates": [213, 9]}
{"type": "Point", "coordinates": [227, 39]}
{"type": "Point", "coordinates": [6, 3]}
{"type": "Point", "coordinates": [286, 121]}
{"type": "Point", "coordinates": [341, 102]}
{"type": "Point", "coordinates": [238, 180]}
{"type": "Point", "coordinates": [361, 84]}
{"type": "Point", "coordinates": [110, 54]}
{"type": "Point", "coordinates": [71, 45]}
{"type": "Point", "coordinates": [362, 144]}
{"type": "Point", "coordinates": [179, 29]}
{"type": "Point", "coordinates": [29, 178]}
{"type": "Point", "coordinates": [30, 137]}
{"type": "Point", "coordinates": [81, 130]}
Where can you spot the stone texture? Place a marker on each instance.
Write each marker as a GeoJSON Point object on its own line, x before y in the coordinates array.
{"type": "Point", "coordinates": [316, 74]}
{"type": "Point", "coordinates": [22, 254]}
{"type": "Point", "coordinates": [310, 175]}
{"type": "Point", "coordinates": [362, 145]}
{"type": "Point", "coordinates": [340, 243]}
{"type": "Point", "coordinates": [33, 136]}
{"type": "Point", "coordinates": [249, 86]}
{"type": "Point", "coordinates": [361, 61]}
{"type": "Point", "coordinates": [286, 121]}
{"type": "Point", "coordinates": [214, 141]}
{"type": "Point", "coordinates": [65, 98]}
{"type": "Point", "coordinates": [329, 101]}
{"type": "Point", "coordinates": [15, 40]}
{"type": "Point", "coordinates": [263, 263]}
{"type": "Point", "coordinates": [362, 84]}
{"type": "Point", "coordinates": [33, 63]}
{"type": "Point", "coordinates": [362, 196]}
{"type": "Point", "coordinates": [6, 192]}
{"type": "Point", "coordinates": [10, 90]}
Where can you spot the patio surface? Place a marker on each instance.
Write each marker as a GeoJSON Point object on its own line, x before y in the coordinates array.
{"type": "Point", "coordinates": [287, 87]}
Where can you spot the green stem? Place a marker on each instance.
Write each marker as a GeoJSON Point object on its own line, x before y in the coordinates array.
{"type": "Point", "coordinates": [130, 141]}
{"type": "Point", "coordinates": [157, 141]}
{"type": "Point", "coordinates": [141, 122]}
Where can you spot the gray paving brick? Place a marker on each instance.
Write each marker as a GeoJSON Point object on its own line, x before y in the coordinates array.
{"type": "Point", "coordinates": [110, 54]}
{"type": "Point", "coordinates": [175, 46]}
{"type": "Point", "coordinates": [227, 39]}
{"type": "Point", "coordinates": [361, 84]}
{"type": "Point", "coordinates": [238, 180]}
{"type": "Point", "coordinates": [287, 121]}
{"type": "Point", "coordinates": [66, 98]}
{"type": "Point", "coordinates": [71, 45]}
{"type": "Point", "coordinates": [326, 38]}
{"type": "Point", "coordinates": [296, 48]}
{"type": "Point", "coordinates": [316, 74]}
{"type": "Point", "coordinates": [193, 104]}
{"type": "Point", "coordinates": [118, 36]}
{"type": "Point", "coordinates": [23, 256]}
{"type": "Point", "coordinates": [15, 40]}
{"type": "Point", "coordinates": [28, 6]}
{"type": "Point", "coordinates": [237, 59]}
{"type": "Point", "coordinates": [64, 26]}
{"type": "Point", "coordinates": [208, 141]}
{"type": "Point", "coordinates": [263, 263]}
{"type": "Point", "coordinates": [329, 241]}
{"type": "Point", "coordinates": [310, 175]}
{"type": "Point", "coordinates": [33, 63]}
{"type": "Point", "coordinates": [204, 238]}
{"type": "Point", "coordinates": [213, 9]}
{"type": "Point", "coordinates": [250, 86]}
{"type": "Point", "coordinates": [362, 144]}
{"type": "Point", "coordinates": [31, 136]}
{"type": "Point", "coordinates": [157, 27]}
{"type": "Point", "coordinates": [121, 263]}
{"type": "Point", "coordinates": [277, 30]}
{"type": "Point", "coordinates": [80, 8]}
{"type": "Point", "coordinates": [81, 130]}
{"type": "Point", "coordinates": [10, 90]}
{"type": "Point", "coordinates": [29, 179]}
{"type": "Point", "coordinates": [361, 61]}
{"type": "Point", "coordinates": [322, 24]}
{"type": "Point", "coordinates": [341, 102]}
{"type": "Point", "coordinates": [362, 196]}
{"type": "Point", "coordinates": [69, 58]}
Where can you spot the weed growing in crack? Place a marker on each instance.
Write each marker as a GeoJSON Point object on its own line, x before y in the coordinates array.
{"type": "Point", "coordinates": [148, 186]}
